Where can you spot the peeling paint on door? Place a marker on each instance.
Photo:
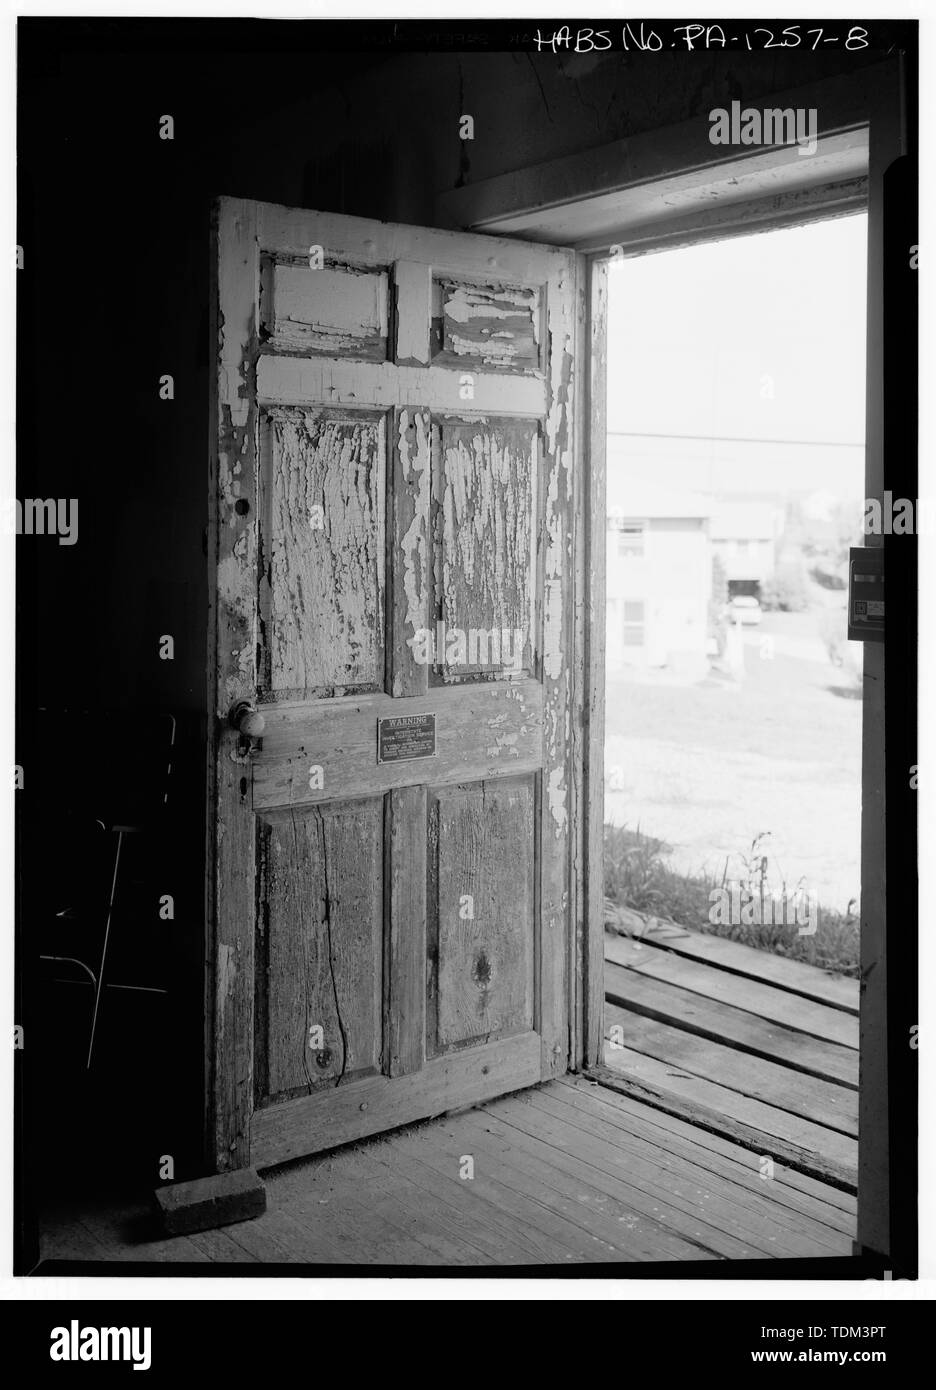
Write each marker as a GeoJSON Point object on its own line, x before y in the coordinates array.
{"type": "Point", "coordinates": [412, 506]}
{"type": "Point", "coordinates": [491, 326]}
{"type": "Point", "coordinates": [360, 496]}
{"type": "Point", "coordinates": [484, 571]}
{"type": "Point", "coordinates": [333, 312]}
{"type": "Point", "coordinates": [322, 584]}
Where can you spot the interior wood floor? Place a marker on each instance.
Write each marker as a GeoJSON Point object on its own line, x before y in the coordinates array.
{"type": "Point", "coordinates": [568, 1173]}
{"type": "Point", "coordinates": [760, 1048]}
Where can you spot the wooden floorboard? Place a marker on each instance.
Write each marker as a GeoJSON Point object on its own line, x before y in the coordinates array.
{"type": "Point", "coordinates": [621, 1226]}
{"type": "Point", "coordinates": [559, 1238]}
{"type": "Point", "coordinates": [702, 1209]}
{"type": "Point", "coordinates": [756, 1048]}
{"type": "Point", "coordinates": [743, 992]}
{"type": "Point", "coordinates": [812, 1148]}
{"type": "Point", "coordinates": [836, 1107]}
{"type": "Point", "coordinates": [728, 1163]}
{"type": "Point", "coordinates": [693, 1013]}
{"type": "Point", "coordinates": [669, 1131]}
{"type": "Point", "coordinates": [564, 1174]}
{"type": "Point", "coordinates": [733, 957]}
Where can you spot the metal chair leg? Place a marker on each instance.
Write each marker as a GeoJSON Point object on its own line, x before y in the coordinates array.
{"type": "Point", "coordinates": [100, 975]}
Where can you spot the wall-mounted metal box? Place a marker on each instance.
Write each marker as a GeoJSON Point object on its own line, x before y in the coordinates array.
{"type": "Point", "coordinates": [866, 594]}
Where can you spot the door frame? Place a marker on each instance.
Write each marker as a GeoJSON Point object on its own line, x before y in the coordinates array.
{"type": "Point", "coordinates": [868, 109]}
{"type": "Point", "coordinates": [870, 100]}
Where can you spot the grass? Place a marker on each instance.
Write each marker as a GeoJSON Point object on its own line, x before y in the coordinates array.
{"type": "Point", "coordinates": [637, 877]}
{"type": "Point", "coordinates": [706, 766]}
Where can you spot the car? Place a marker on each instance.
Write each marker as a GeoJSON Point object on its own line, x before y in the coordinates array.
{"type": "Point", "coordinates": [745, 609]}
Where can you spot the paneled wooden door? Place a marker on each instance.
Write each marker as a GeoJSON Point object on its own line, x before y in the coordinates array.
{"type": "Point", "coordinates": [393, 519]}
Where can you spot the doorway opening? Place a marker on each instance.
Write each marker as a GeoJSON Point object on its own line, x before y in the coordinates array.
{"type": "Point", "coordinates": [732, 842]}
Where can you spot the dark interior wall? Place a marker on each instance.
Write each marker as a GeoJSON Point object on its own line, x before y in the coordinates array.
{"type": "Point", "coordinates": [528, 108]}
{"type": "Point", "coordinates": [114, 293]}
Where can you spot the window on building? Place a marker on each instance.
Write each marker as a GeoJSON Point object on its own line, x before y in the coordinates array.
{"type": "Point", "coordinates": [631, 538]}
{"type": "Point", "coordinates": [633, 634]}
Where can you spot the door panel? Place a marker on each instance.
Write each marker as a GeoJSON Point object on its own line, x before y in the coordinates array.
{"type": "Point", "coordinates": [322, 562]}
{"type": "Point", "coordinates": [319, 954]}
{"type": "Point", "coordinates": [483, 504]}
{"type": "Point", "coordinates": [492, 328]}
{"type": "Point", "coordinates": [391, 897]}
{"type": "Point", "coordinates": [481, 912]}
{"type": "Point", "coordinates": [331, 311]}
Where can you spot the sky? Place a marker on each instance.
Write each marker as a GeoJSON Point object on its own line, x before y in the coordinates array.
{"type": "Point", "coordinates": [759, 337]}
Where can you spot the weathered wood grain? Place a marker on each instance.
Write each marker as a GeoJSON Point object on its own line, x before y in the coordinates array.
{"type": "Point", "coordinates": [492, 327]}
{"type": "Point", "coordinates": [481, 731]}
{"type": "Point", "coordinates": [568, 1173]}
{"type": "Point", "coordinates": [741, 992]}
{"type": "Point", "coordinates": [823, 1102]}
{"type": "Point", "coordinates": [232, 677]}
{"type": "Point", "coordinates": [684, 1181]}
{"type": "Point", "coordinates": [484, 557]}
{"type": "Point", "coordinates": [298, 380]}
{"type": "Point", "coordinates": [329, 575]}
{"type": "Point", "coordinates": [734, 958]}
{"type": "Point", "coordinates": [406, 986]}
{"type": "Point", "coordinates": [801, 1143]}
{"type": "Point", "coordinates": [333, 311]}
{"type": "Point", "coordinates": [329, 1119]}
{"type": "Point", "coordinates": [693, 1013]}
{"type": "Point", "coordinates": [323, 537]}
{"type": "Point", "coordinates": [592, 643]}
{"type": "Point", "coordinates": [604, 1227]}
{"type": "Point", "coordinates": [363, 242]}
{"type": "Point", "coordinates": [409, 568]}
{"type": "Point", "coordinates": [809, 1195]}
{"type": "Point", "coordinates": [596, 1161]}
{"type": "Point", "coordinates": [531, 1232]}
{"type": "Point", "coordinates": [482, 918]}
{"type": "Point", "coordinates": [319, 947]}
{"type": "Point", "coordinates": [424, 1168]}
{"type": "Point", "coordinates": [555, 622]}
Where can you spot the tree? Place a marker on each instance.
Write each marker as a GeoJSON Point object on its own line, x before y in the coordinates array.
{"type": "Point", "coordinates": [785, 590]}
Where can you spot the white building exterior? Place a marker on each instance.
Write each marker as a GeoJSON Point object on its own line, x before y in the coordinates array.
{"type": "Point", "coordinates": [744, 536]}
{"type": "Point", "coordinates": [659, 579]}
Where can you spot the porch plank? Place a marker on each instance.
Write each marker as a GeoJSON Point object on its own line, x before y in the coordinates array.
{"type": "Point", "coordinates": [701, 1208]}
{"type": "Point", "coordinates": [793, 976]}
{"type": "Point", "coordinates": [519, 1219]}
{"type": "Point", "coordinates": [754, 995]}
{"type": "Point", "coordinates": [617, 1226]}
{"type": "Point", "coordinates": [474, 1222]}
{"type": "Point", "coordinates": [586, 1158]}
{"type": "Point", "coordinates": [832, 1106]}
{"type": "Point", "coordinates": [748, 1032]}
{"type": "Point", "coordinates": [808, 1216]}
{"type": "Point", "coordinates": [828, 1204]}
{"type": "Point", "coordinates": [830, 1155]}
